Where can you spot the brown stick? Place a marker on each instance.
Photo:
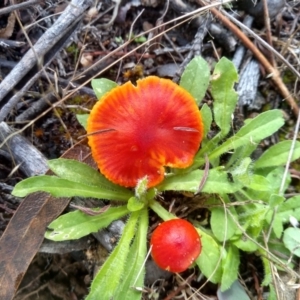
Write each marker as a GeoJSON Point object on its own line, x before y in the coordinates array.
{"type": "Point", "coordinates": [260, 57]}
{"type": "Point", "coordinates": [268, 30]}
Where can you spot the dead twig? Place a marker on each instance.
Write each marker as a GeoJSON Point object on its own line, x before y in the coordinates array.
{"type": "Point", "coordinates": [13, 7]}
{"type": "Point", "coordinates": [31, 161]}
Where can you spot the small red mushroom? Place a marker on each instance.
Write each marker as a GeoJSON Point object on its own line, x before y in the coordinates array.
{"type": "Point", "coordinates": [135, 131]}
{"type": "Point", "coordinates": [175, 245]}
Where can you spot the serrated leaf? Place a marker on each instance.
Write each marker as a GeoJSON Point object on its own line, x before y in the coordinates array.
{"type": "Point", "coordinates": [102, 86]}
{"type": "Point", "coordinates": [217, 182]}
{"type": "Point", "coordinates": [225, 97]}
{"type": "Point", "coordinates": [113, 270]}
{"type": "Point", "coordinates": [59, 187]}
{"type": "Point", "coordinates": [209, 260]}
{"type": "Point", "coordinates": [291, 240]}
{"type": "Point", "coordinates": [76, 224]}
{"type": "Point", "coordinates": [253, 217]}
{"type": "Point", "coordinates": [195, 78]}
{"type": "Point", "coordinates": [277, 155]}
{"type": "Point", "coordinates": [230, 266]}
{"type": "Point", "coordinates": [76, 171]}
{"type": "Point", "coordinates": [253, 131]}
{"type": "Point", "coordinates": [82, 119]}
{"type": "Point", "coordinates": [135, 271]}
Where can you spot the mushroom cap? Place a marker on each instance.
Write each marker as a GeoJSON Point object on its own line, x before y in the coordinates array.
{"type": "Point", "coordinates": [175, 245]}
{"type": "Point", "coordinates": [135, 131]}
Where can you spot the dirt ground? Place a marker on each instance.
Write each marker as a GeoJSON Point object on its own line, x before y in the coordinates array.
{"type": "Point", "coordinates": [121, 41]}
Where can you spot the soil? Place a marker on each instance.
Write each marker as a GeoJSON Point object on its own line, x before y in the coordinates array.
{"type": "Point", "coordinates": [95, 48]}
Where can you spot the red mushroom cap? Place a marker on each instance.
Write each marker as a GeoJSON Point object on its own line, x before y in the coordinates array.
{"type": "Point", "coordinates": [134, 131]}
{"type": "Point", "coordinates": [175, 245]}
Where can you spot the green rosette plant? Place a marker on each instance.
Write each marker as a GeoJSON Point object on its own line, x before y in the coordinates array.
{"type": "Point", "coordinates": [135, 132]}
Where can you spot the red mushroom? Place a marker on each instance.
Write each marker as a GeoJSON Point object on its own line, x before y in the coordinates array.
{"type": "Point", "coordinates": [135, 131]}
{"type": "Point", "coordinates": [175, 245]}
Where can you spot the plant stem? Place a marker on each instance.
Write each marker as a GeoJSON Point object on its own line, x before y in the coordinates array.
{"type": "Point", "coordinates": [161, 212]}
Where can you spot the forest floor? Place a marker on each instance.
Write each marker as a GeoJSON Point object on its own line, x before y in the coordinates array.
{"type": "Point", "coordinates": [122, 41]}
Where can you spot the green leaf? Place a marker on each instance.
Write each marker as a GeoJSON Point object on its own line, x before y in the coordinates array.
{"type": "Point", "coordinates": [82, 119]}
{"type": "Point", "coordinates": [102, 86]}
{"type": "Point", "coordinates": [209, 260]}
{"type": "Point", "coordinates": [241, 153]}
{"type": "Point", "coordinates": [135, 269]}
{"type": "Point", "coordinates": [254, 131]}
{"type": "Point", "coordinates": [272, 294]}
{"type": "Point", "coordinates": [277, 226]}
{"type": "Point", "coordinates": [280, 217]}
{"type": "Point", "coordinates": [275, 200]}
{"type": "Point", "coordinates": [218, 221]}
{"type": "Point", "coordinates": [76, 171]}
{"type": "Point", "coordinates": [241, 168]}
{"type": "Point", "coordinates": [59, 187]}
{"type": "Point", "coordinates": [113, 270]}
{"type": "Point", "coordinates": [253, 217]}
{"type": "Point", "coordinates": [275, 177]}
{"type": "Point", "coordinates": [222, 224]}
{"type": "Point", "coordinates": [195, 78]}
{"type": "Point", "coordinates": [225, 97]}
{"type": "Point", "coordinates": [245, 244]}
{"type": "Point", "coordinates": [289, 206]}
{"type": "Point", "coordinates": [230, 265]}
{"type": "Point", "coordinates": [243, 173]}
{"type": "Point", "coordinates": [206, 118]}
{"type": "Point", "coordinates": [267, 268]}
{"type": "Point", "coordinates": [277, 155]}
{"type": "Point", "coordinates": [217, 182]}
{"type": "Point", "coordinates": [76, 224]}
{"type": "Point", "coordinates": [134, 204]}
{"type": "Point", "coordinates": [255, 182]}
{"type": "Point", "coordinates": [291, 240]}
